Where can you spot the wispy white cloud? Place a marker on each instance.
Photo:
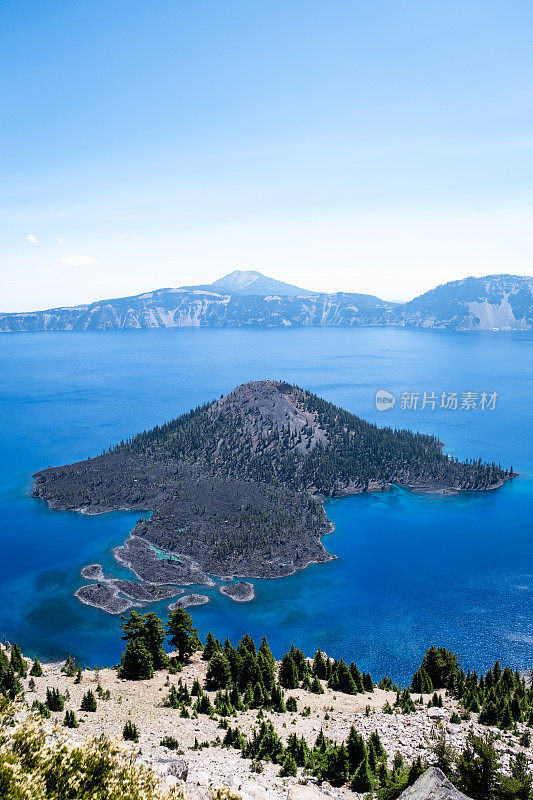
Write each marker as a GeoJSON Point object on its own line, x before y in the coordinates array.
{"type": "Point", "coordinates": [176, 263]}
{"type": "Point", "coordinates": [60, 240]}
{"type": "Point", "coordinates": [78, 261]}
{"type": "Point", "coordinates": [44, 269]}
{"type": "Point", "coordinates": [31, 238]}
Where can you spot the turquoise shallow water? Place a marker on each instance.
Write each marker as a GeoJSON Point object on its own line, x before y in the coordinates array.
{"type": "Point", "coordinates": [410, 569]}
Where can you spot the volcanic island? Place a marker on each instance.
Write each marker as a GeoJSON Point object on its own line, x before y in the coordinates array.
{"type": "Point", "coordinates": [236, 489]}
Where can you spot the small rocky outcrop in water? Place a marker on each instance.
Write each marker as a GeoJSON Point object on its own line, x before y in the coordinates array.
{"type": "Point", "coordinates": [93, 572]}
{"type": "Point", "coordinates": [114, 595]}
{"type": "Point", "coordinates": [432, 785]}
{"type": "Point", "coordinates": [189, 600]}
{"type": "Point", "coordinates": [104, 596]}
{"type": "Point", "coordinates": [241, 592]}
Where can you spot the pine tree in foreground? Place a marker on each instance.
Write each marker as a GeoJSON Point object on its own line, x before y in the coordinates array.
{"type": "Point", "coordinates": [70, 720]}
{"type": "Point", "coordinates": [54, 700]}
{"type": "Point", "coordinates": [70, 667]}
{"type": "Point", "coordinates": [292, 704]}
{"type": "Point", "coordinates": [18, 664]}
{"type": "Point", "coordinates": [130, 732]}
{"type": "Point", "coordinates": [219, 672]}
{"type": "Point", "coordinates": [182, 635]}
{"type": "Point", "coordinates": [36, 669]}
{"type": "Point", "coordinates": [289, 768]}
{"type": "Point", "coordinates": [10, 685]}
{"type": "Point", "coordinates": [136, 662]}
{"type": "Point", "coordinates": [212, 646]}
{"type": "Point", "coordinates": [170, 742]}
{"type": "Point", "coordinates": [88, 702]}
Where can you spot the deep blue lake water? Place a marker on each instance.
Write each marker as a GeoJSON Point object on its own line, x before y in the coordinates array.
{"type": "Point", "coordinates": [411, 569]}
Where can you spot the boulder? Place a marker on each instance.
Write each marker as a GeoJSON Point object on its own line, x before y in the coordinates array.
{"type": "Point", "coordinates": [436, 713]}
{"type": "Point", "coordinates": [305, 792]}
{"type": "Point", "coordinates": [169, 782]}
{"type": "Point", "coordinates": [178, 769]}
{"type": "Point", "coordinates": [200, 778]}
{"type": "Point", "coordinates": [175, 767]}
{"type": "Point", "coordinates": [454, 729]}
{"type": "Point", "coordinates": [432, 785]}
{"type": "Point", "coordinates": [253, 790]}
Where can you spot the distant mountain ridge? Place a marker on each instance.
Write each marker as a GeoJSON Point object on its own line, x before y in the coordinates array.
{"type": "Point", "coordinates": [248, 298]}
{"type": "Point", "coordinates": [496, 301]}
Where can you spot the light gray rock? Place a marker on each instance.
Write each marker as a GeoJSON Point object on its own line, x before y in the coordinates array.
{"type": "Point", "coordinates": [253, 790]}
{"type": "Point", "coordinates": [307, 792]}
{"type": "Point", "coordinates": [436, 713]}
{"type": "Point", "coordinates": [200, 778]}
{"type": "Point", "coordinates": [453, 729]}
{"type": "Point", "coordinates": [432, 785]}
{"type": "Point", "coordinates": [169, 782]}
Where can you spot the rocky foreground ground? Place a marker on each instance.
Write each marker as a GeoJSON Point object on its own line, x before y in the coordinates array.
{"type": "Point", "coordinates": [143, 703]}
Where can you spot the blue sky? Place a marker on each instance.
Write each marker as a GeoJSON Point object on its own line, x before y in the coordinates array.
{"type": "Point", "coordinates": [382, 147]}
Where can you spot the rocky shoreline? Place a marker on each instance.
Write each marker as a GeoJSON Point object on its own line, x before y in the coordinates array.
{"type": "Point", "coordinates": [241, 592]}
{"type": "Point", "coordinates": [115, 595]}
{"type": "Point", "coordinates": [104, 597]}
{"type": "Point", "coordinates": [190, 600]}
{"type": "Point", "coordinates": [139, 556]}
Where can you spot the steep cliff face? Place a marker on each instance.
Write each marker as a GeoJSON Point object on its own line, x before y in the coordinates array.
{"type": "Point", "coordinates": [498, 301]}
{"type": "Point", "coordinates": [186, 307]}
{"type": "Point", "coordinates": [247, 298]}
